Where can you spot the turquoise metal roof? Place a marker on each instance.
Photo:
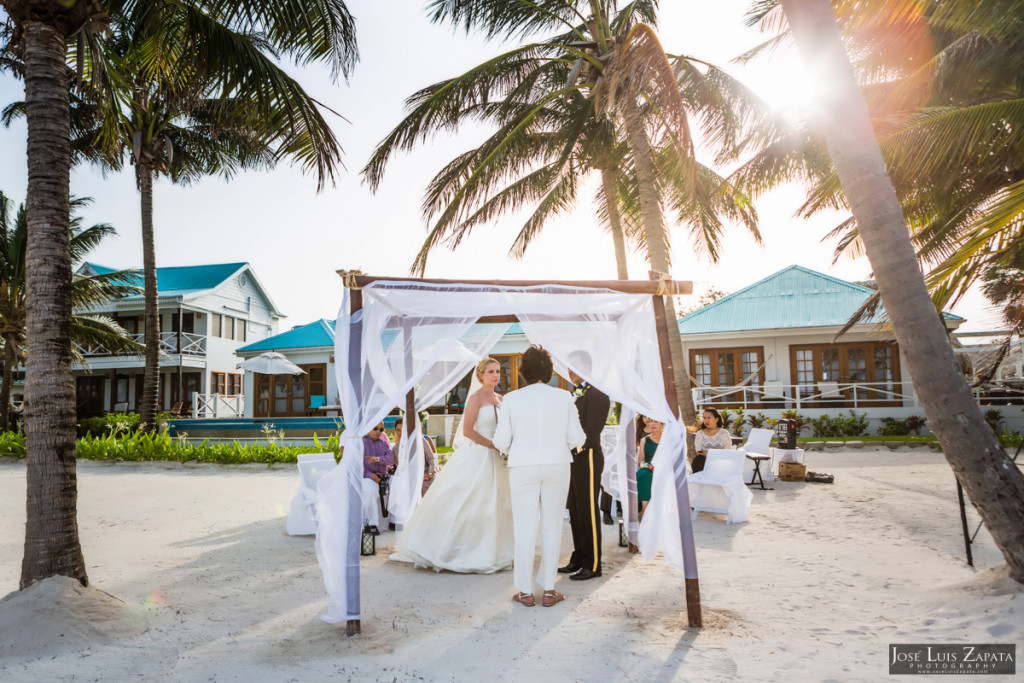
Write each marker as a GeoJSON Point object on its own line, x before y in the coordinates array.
{"type": "Point", "coordinates": [181, 280]}
{"type": "Point", "coordinates": [793, 297]}
{"type": "Point", "coordinates": [319, 333]}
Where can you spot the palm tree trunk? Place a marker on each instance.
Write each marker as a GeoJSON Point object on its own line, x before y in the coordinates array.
{"type": "Point", "coordinates": [52, 546]}
{"type": "Point", "coordinates": [995, 486]}
{"type": "Point", "coordinates": [657, 248]}
{"type": "Point", "coordinates": [151, 374]}
{"type": "Point", "coordinates": [614, 221]}
{"type": "Point", "coordinates": [10, 359]}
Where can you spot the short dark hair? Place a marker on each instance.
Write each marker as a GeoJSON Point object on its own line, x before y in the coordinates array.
{"type": "Point", "coordinates": [536, 365]}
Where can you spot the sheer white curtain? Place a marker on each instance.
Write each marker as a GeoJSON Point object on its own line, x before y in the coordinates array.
{"type": "Point", "coordinates": [406, 340]}
{"type": "Point", "coordinates": [424, 336]}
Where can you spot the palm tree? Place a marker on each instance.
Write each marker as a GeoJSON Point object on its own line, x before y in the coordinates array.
{"type": "Point", "coordinates": [995, 487]}
{"type": "Point", "coordinates": [183, 93]}
{"type": "Point", "coordinates": [550, 135]}
{"type": "Point", "coordinates": [87, 290]}
{"type": "Point", "coordinates": [42, 28]}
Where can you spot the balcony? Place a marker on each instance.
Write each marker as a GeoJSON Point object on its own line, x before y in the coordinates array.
{"type": "Point", "coordinates": [192, 344]}
{"type": "Point", "coordinates": [775, 395]}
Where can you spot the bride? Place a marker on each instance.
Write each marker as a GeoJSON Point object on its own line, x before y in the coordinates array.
{"type": "Point", "coordinates": [464, 523]}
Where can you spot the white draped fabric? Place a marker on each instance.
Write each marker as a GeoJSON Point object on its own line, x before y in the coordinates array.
{"type": "Point", "coordinates": [424, 336]}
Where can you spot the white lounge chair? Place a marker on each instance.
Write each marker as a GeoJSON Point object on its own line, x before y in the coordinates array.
{"type": "Point", "coordinates": [719, 487]}
{"type": "Point", "coordinates": [302, 515]}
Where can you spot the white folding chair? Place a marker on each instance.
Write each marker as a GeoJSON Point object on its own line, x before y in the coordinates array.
{"type": "Point", "coordinates": [757, 451]}
{"type": "Point", "coordinates": [719, 487]}
{"type": "Point", "coordinates": [302, 515]}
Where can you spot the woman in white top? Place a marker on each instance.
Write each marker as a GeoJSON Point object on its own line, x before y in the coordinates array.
{"type": "Point", "coordinates": [710, 435]}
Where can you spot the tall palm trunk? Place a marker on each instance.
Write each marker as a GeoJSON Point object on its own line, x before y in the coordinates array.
{"type": "Point", "coordinates": [151, 374]}
{"type": "Point", "coordinates": [995, 486]}
{"type": "Point", "coordinates": [657, 246]}
{"type": "Point", "coordinates": [51, 531]}
{"type": "Point", "coordinates": [614, 221]}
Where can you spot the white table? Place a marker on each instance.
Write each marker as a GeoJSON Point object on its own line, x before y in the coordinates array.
{"type": "Point", "coordinates": [786, 455]}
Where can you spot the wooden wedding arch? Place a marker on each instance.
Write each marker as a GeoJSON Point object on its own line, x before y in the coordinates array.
{"type": "Point", "coordinates": [657, 287]}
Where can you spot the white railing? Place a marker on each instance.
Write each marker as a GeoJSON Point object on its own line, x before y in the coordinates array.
{"type": "Point", "coordinates": [218, 405]}
{"type": "Point", "coordinates": [800, 396]}
{"type": "Point", "coordinates": [191, 345]}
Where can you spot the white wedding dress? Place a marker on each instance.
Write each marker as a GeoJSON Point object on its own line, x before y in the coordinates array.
{"type": "Point", "coordinates": [464, 522]}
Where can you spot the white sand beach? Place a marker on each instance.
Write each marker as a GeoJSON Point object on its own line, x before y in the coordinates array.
{"type": "Point", "coordinates": [194, 579]}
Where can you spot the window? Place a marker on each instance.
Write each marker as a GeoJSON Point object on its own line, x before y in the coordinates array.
{"type": "Point", "coordinates": [872, 366]}
{"type": "Point", "coordinates": [215, 324]}
{"type": "Point", "coordinates": [239, 329]}
{"type": "Point", "coordinates": [225, 384]}
{"type": "Point", "coordinates": [229, 327]}
{"type": "Point", "coordinates": [728, 368]}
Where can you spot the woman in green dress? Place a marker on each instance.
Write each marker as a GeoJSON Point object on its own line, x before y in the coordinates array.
{"type": "Point", "coordinates": [645, 454]}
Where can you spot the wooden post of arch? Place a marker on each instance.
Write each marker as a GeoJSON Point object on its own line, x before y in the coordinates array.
{"type": "Point", "coordinates": [355, 506]}
{"type": "Point", "coordinates": [693, 611]}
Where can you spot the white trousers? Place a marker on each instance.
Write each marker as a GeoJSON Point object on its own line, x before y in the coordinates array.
{"type": "Point", "coordinates": [371, 503]}
{"type": "Point", "coordinates": [538, 492]}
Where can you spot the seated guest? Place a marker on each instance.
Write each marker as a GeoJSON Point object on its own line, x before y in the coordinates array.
{"type": "Point", "coordinates": [377, 457]}
{"type": "Point", "coordinates": [430, 468]}
{"type": "Point", "coordinates": [710, 435]}
{"type": "Point", "coordinates": [644, 455]}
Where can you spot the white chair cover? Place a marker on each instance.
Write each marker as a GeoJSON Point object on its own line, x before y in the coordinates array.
{"type": "Point", "coordinates": [302, 515]}
{"type": "Point", "coordinates": [719, 487]}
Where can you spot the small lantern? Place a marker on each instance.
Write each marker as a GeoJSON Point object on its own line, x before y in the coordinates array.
{"type": "Point", "coordinates": [623, 537]}
{"type": "Point", "coordinates": [369, 543]}
{"type": "Point", "coordinates": [785, 431]}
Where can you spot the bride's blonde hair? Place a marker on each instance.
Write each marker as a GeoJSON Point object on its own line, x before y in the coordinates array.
{"type": "Point", "coordinates": [482, 365]}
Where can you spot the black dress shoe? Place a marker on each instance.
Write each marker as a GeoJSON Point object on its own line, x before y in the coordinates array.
{"type": "Point", "coordinates": [570, 568]}
{"type": "Point", "coordinates": [584, 574]}
{"type": "Point", "coordinates": [607, 519]}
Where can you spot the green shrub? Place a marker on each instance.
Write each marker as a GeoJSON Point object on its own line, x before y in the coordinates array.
{"type": "Point", "coordinates": [854, 425]}
{"type": "Point", "coordinates": [1011, 439]}
{"type": "Point", "coordinates": [916, 423]}
{"type": "Point", "coordinates": [12, 444]}
{"type": "Point", "coordinates": [994, 418]}
{"type": "Point", "coordinates": [756, 421]}
{"type": "Point", "coordinates": [893, 427]}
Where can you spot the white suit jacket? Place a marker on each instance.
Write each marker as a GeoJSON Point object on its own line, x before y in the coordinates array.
{"type": "Point", "coordinates": [538, 425]}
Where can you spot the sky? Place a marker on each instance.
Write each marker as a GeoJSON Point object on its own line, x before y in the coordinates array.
{"type": "Point", "coordinates": [296, 239]}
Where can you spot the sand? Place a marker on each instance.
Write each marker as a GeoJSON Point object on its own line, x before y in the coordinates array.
{"type": "Point", "coordinates": [194, 579]}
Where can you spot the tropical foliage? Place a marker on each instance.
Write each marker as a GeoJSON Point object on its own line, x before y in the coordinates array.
{"type": "Point", "coordinates": [943, 83]}
{"type": "Point", "coordinates": [589, 91]}
{"type": "Point", "coordinates": [87, 291]}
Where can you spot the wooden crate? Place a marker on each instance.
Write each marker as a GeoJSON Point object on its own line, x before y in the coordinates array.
{"type": "Point", "coordinates": [792, 471]}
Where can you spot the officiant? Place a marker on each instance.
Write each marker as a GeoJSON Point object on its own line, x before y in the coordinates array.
{"type": "Point", "coordinates": [585, 477]}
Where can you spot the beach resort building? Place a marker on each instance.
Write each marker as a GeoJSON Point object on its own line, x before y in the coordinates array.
{"type": "Point", "coordinates": [206, 313]}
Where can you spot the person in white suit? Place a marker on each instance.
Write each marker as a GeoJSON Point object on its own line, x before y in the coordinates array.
{"type": "Point", "coordinates": [538, 426]}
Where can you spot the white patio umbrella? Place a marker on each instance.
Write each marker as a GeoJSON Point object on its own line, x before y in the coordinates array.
{"type": "Point", "coordinates": [271, 363]}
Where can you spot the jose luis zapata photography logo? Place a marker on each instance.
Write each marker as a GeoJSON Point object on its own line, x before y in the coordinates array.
{"type": "Point", "coordinates": [953, 659]}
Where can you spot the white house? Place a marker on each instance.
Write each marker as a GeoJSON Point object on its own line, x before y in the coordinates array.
{"type": "Point", "coordinates": [206, 313]}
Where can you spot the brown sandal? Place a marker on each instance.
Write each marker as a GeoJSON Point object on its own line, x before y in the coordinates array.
{"type": "Point", "coordinates": [551, 598]}
{"type": "Point", "coordinates": [525, 599]}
